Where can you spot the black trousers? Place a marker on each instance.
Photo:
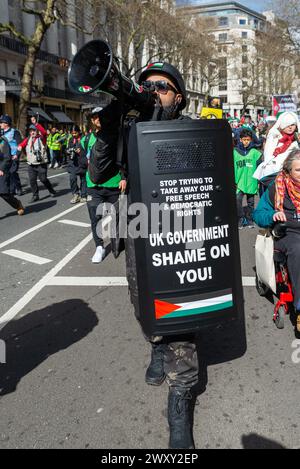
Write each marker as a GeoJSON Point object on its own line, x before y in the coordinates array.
{"type": "Point", "coordinates": [11, 200]}
{"type": "Point", "coordinates": [250, 205]}
{"type": "Point", "coordinates": [97, 196]}
{"type": "Point", "coordinates": [39, 171]}
{"type": "Point", "coordinates": [15, 182]}
{"type": "Point", "coordinates": [290, 246]}
{"type": "Point", "coordinates": [82, 189]}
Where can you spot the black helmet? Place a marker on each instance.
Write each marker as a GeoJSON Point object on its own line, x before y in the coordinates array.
{"type": "Point", "coordinates": [168, 70]}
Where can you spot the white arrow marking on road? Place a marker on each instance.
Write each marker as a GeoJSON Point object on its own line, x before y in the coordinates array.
{"type": "Point", "coordinates": [42, 283]}
{"type": "Point", "coordinates": [41, 225]}
{"type": "Point", "coordinates": [25, 256]}
{"type": "Point", "coordinates": [75, 223]}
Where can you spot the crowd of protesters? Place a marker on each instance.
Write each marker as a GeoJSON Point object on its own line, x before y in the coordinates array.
{"type": "Point", "coordinates": [52, 149]}
{"type": "Point", "coordinates": [260, 150]}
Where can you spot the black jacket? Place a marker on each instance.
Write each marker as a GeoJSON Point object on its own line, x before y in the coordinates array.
{"type": "Point", "coordinates": [78, 162]}
{"type": "Point", "coordinates": [103, 160]}
{"type": "Point", "coordinates": [5, 164]}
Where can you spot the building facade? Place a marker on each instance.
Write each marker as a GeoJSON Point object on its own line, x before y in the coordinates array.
{"type": "Point", "coordinates": [51, 95]}
{"type": "Point", "coordinates": [246, 82]}
{"type": "Point", "coordinates": [50, 87]}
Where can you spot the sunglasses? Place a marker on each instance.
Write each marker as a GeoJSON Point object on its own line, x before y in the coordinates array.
{"type": "Point", "coordinates": [161, 86]}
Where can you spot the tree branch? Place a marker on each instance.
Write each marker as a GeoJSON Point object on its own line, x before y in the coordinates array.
{"type": "Point", "coordinates": [30, 10]}
{"type": "Point", "coordinates": [7, 27]}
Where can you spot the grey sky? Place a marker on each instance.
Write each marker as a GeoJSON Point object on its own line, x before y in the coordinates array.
{"type": "Point", "coordinates": [258, 5]}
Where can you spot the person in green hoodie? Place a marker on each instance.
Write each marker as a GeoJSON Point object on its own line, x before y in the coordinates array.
{"type": "Point", "coordinates": [246, 160]}
{"type": "Point", "coordinates": [105, 180]}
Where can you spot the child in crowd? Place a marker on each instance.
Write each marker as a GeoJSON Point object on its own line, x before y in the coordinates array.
{"type": "Point", "coordinates": [246, 160]}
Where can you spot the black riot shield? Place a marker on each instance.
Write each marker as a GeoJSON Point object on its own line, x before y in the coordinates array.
{"type": "Point", "coordinates": [185, 232]}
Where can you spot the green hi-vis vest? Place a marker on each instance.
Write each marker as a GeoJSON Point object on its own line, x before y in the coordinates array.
{"type": "Point", "coordinates": [52, 141]}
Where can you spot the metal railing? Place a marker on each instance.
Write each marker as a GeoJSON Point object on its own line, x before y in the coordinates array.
{"type": "Point", "coordinates": [20, 48]}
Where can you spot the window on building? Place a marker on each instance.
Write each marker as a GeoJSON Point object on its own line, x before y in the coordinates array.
{"type": "Point", "coordinates": [223, 87]}
{"type": "Point", "coordinates": [244, 34]}
{"type": "Point", "coordinates": [244, 59]}
{"type": "Point", "coordinates": [223, 21]}
{"type": "Point", "coordinates": [242, 21]}
{"type": "Point", "coordinates": [223, 62]}
{"type": "Point", "coordinates": [3, 68]}
{"type": "Point", "coordinates": [223, 74]}
{"type": "Point", "coordinates": [244, 49]}
{"type": "Point", "coordinates": [223, 37]}
{"type": "Point", "coordinates": [222, 49]}
{"type": "Point", "coordinates": [245, 72]}
{"type": "Point", "coordinates": [20, 71]}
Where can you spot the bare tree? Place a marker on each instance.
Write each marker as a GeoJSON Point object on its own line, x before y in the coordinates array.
{"type": "Point", "coordinates": [141, 32]}
{"type": "Point", "coordinates": [289, 12]}
{"type": "Point", "coordinates": [46, 13]}
{"type": "Point", "coordinates": [200, 53]}
{"type": "Point", "coordinates": [264, 66]}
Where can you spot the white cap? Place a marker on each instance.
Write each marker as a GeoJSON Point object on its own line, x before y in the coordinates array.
{"type": "Point", "coordinates": [286, 119]}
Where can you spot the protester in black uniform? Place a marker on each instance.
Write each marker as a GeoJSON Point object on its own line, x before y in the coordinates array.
{"type": "Point", "coordinates": [5, 165]}
{"type": "Point", "coordinates": [77, 166]}
{"type": "Point", "coordinates": [173, 358]}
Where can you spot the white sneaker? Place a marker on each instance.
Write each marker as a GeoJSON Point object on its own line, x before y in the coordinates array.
{"type": "Point", "coordinates": [56, 165]}
{"type": "Point", "coordinates": [99, 255]}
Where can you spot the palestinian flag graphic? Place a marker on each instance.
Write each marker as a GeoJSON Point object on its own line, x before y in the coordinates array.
{"type": "Point", "coordinates": [165, 309]}
{"type": "Point", "coordinates": [84, 89]}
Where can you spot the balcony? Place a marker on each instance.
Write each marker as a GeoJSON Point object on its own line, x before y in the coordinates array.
{"type": "Point", "coordinates": [17, 46]}
{"type": "Point", "coordinates": [14, 87]}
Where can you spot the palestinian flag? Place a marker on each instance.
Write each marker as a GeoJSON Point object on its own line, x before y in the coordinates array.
{"type": "Point", "coordinates": [213, 302]}
{"type": "Point", "coordinates": [84, 89]}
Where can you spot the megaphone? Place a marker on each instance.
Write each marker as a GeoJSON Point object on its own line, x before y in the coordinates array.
{"type": "Point", "coordinates": [94, 69]}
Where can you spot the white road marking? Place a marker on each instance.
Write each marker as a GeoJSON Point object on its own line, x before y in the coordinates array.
{"type": "Point", "coordinates": [15, 310]}
{"type": "Point", "coordinates": [249, 282]}
{"type": "Point", "coordinates": [41, 225]}
{"type": "Point", "coordinates": [75, 223]}
{"type": "Point", "coordinates": [109, 282]}
{"type": "Point", "coordinates": [88, 282]}
{"type": "Point", "coordinates": [57, 175]}
{"type": "Point", "coordinates": [25, 256]}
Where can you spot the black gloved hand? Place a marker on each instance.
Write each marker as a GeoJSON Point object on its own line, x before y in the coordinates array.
{"type": "Point", "coordinates": [279, 230]}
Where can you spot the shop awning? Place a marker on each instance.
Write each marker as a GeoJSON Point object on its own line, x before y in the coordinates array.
{"type": "Point", "coordinates": [37, 110]}
{"type": "Point", "coordinates": [61, 117]}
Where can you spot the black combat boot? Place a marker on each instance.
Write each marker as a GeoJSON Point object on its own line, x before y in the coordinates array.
{"type": "Point", "coordinates": [155, 374]}
{"type": "Point", "coordinates": [180, 408]}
